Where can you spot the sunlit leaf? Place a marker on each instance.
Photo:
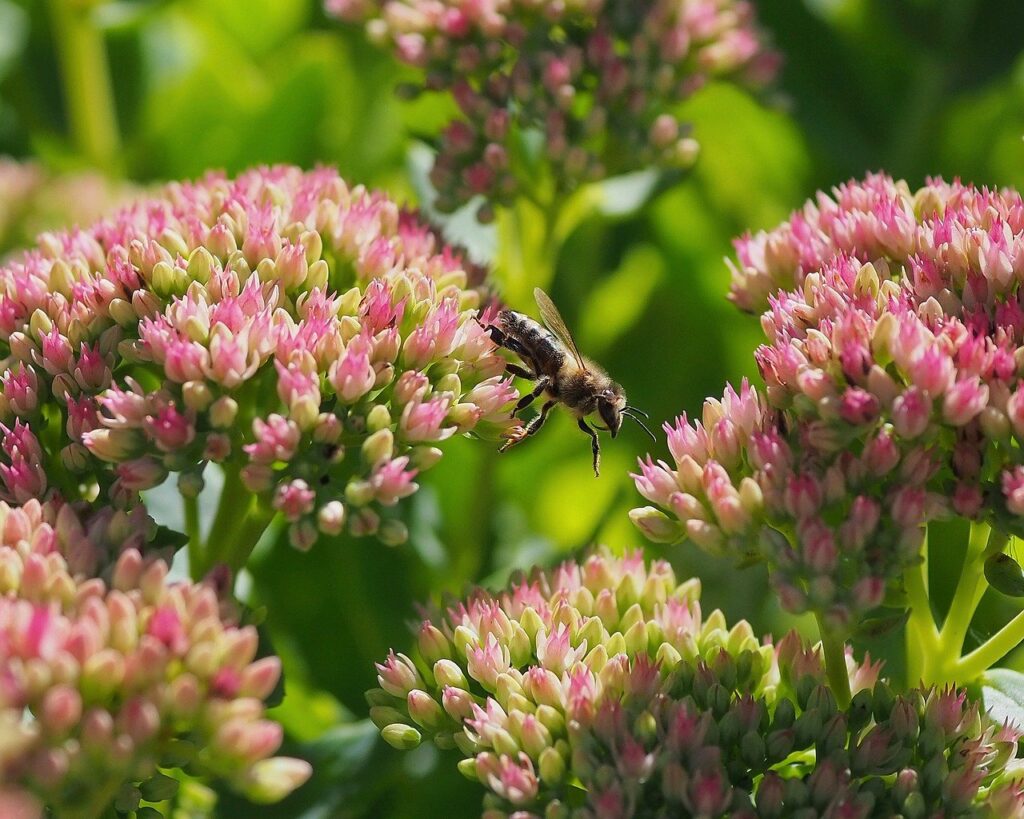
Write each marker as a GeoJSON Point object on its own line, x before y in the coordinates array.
{"type": "Point", "coordinates": [1003, 693]}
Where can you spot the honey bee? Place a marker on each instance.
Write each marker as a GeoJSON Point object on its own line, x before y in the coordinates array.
{"type": "Point", "coordinates": [563, 376]}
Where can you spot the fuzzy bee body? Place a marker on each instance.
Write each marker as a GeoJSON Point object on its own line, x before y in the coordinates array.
{"type": "Point", "coordinates": [559, 373]}
{"type": "Point", "coordinates": [542, 348]}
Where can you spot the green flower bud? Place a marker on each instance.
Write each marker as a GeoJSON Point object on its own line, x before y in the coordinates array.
{"type": "Point", "coordinates": [400, 736]}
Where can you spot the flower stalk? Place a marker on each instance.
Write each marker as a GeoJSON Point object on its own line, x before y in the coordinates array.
{"type": "Point", "coordinates": [88, 92]}
{"type": "Point", "coordinates": [970, 588]}
{"type": "Point", "coordinates": [977, 662]}
{"type": "Point", "coordinates": [190, 507]}
{"type": "Point", "coordinates": [921, 634]}
{"type": "Point", "coordinates": [833, 649]}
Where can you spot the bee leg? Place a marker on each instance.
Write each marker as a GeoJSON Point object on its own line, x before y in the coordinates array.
{"type": "Point", "coordinates": [530, 429]}
{"type": "Point", "coordinates": [520, 372]}
{"type": "Point", "coordinates": [595, 446]}
{"type": "Point", "coordinates": [497, 336]}
{"type": "Point", "coordinates": [531, 396]}
{"type": "Point", "coordinates": [503, 339]}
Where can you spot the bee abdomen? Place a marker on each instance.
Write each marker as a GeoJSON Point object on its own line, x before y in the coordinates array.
{"type": "Point", "coordinates": [542, 346]}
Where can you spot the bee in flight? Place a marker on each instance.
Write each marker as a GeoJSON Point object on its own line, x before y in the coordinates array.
{"type": "Point", "coordinates": [561, 375]}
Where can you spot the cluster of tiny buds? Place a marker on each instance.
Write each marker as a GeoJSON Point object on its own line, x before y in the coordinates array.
{"type": "Point", "coordinates": [881, 219]}
{"type": "Point", "coordinates": [740, 477]}
{"type": "Point", "coordinates": [699, 743]}
{"type": "Point", "coordinates": [892, 395]}
{"type": "Point", "coordinates": [311, 337]}
{"type": "Point", "coordinates": [109, 678]}
{"type": "Point", "coordinates": [605, 675]}
{"type": "Point", "coordinates": [595, 82]}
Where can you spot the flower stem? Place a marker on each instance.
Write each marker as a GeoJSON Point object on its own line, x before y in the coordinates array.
{"type": "Point", "coordinates": [85, 75]}
{"type": "Point", "coordinates": [255, 524]}
{"type": "Point", "coordinates": [973, 665]}
{"type": "Point", "coordinates": [944, 663]}
{"type": "Point", "coordinates": [190, 505]}
{"type": "Point", "coordinates": [922, 634]}
{"type": "Point", "coordinates": [833, 647]}
{"type": "Point", "coordinates": [240, 521]}
{"type": "Point", "coordinates": [969, 590]}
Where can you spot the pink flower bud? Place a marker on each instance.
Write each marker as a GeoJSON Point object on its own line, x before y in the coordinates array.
{"type": "Point", "coordinates": [911, 412]}
{"type": "Point", "coordinates": [1013, 489]}
{"type": "Point", "coordinates": [908, 506]}
{"type": "Point", "coordinates": [964, 401]}
{"type": "Point", "coordinates": [803, 496]}
{"type": "Point", "coordinates": [858, 406]}
{"type": "Point", "coordinates": [270, 780]}
{"type": "Point", "coordinates": [62, 710]}
{"type": "Point", "coordinates": [294, 499]}
{"type": "Point", "coordinates": [398, 675]}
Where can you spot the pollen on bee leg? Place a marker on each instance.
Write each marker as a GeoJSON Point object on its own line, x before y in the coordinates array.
{"type": "Point", "coordinates": [513, 437]}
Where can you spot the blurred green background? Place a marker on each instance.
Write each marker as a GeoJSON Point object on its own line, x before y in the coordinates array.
{"type": "Point", "coordinates": [915, 87]}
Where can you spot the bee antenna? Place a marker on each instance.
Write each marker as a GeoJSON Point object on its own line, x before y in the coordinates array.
{"type": "Point", "coordinates": [643, 426]}
{"type": "Point", "coordinates": [640, 411]}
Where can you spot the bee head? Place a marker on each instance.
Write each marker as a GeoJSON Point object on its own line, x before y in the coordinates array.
{"type": "Point", "coordinates": [610, 403]}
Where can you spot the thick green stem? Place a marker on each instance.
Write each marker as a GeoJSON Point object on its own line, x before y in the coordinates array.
{"type": "Point", "coordinates": [973, 665]}
{"type": "Point", "coordinates": [833, 647]}
{"type": "Point", "coordinates": [969, 591]}
{"type": "Point", "coordinates": [85, 75]}
{"type": "Point", "coordinates": [255, 524]}
{"type": "Point", "coordinates": [240, 521]}
{"type": "Point", "coordinates": [944, 664]}
{"type": "Point", "coordinates": [190, 504]}
{"type": "Point", "coordinates": [922, 634]}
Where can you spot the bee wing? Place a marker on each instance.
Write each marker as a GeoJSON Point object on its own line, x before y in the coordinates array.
{"type": "Point", "coordinates": [555, 323]}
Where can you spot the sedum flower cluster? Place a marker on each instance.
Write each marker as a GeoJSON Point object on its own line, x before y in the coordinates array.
{"type": "Point", "coordinates": [894, 335]}
{"type": "Point", "coordinates": [589, 86]}
{"type": "Point", "coordinates": [33, 200]}
{"type": "Point", "coordinates": [109, 671]}
{"type": "Point", "coordinates": [312, 338]}
{"type": "Point", "coordinates": [599, 690]}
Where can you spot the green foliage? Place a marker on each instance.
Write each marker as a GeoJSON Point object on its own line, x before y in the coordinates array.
{"type": "Point", "coordinates": [915, 87]}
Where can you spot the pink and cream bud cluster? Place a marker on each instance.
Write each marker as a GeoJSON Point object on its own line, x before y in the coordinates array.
{"type": "Point", "coordinates": [505, 677]}
{"type": "Point", "coordinates": [313, 336]}
{"type": "Point", "coordinates": [597, 82]}
{"type": "Point", "coordinates": [893, 394]}
{"type": "Point", "coordinates": [110, 671]}
{"type": "Point", "coordinates": [599, 688]}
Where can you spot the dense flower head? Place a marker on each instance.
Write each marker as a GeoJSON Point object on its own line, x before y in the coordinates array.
{"type": "Point", "coordinates": [589, 86]}
{"type": "Point", "coordinates": [881, 219]}
{"type": "Point", "coordinates": [110, 671]}
{"type": "Point", "coordinates": [606, 676]}
{"type": "Point", "coordinates": [697, 744]}
{"type": "Point", "coordinates": [892, 394]}
{"type": "Point", "coordinates": [311, 336]}
{"type": "Point", "coordinates": [33, 200]}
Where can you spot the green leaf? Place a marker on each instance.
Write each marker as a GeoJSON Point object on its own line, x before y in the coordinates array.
{"type": "Point", "coordinates": [1005, 575]}
{"type": "Point", "coordinates": [883, 624]}
{"type": "Point", "coordinates": [169, 537]}
{"type": "Point", "coordinates": [1003, 694]}
{"type": "Point", "coordinates": [159, 788]}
